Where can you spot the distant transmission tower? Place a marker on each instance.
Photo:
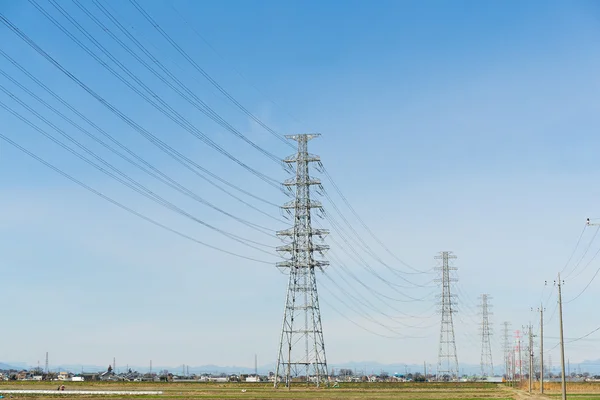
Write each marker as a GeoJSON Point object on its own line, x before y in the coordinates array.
{"type": "Point", "coordinates": [447, 358]}
{"type": "Point", "coordinates": [46, 363]}
{"type": "Point", "coordinates": [506, 349]}
{"type": "Point", "coordinates": [301, 347]}
{"type": "Point", "coordinates": [487, 366]}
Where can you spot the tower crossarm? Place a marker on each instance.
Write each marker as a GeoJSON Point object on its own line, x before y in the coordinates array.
{"type": "Point", "coordinates": [293, 204]}
{"type": "Point", "coordinates": [306, 181]}
{"type": "Point", "coordinates": [313, 232]}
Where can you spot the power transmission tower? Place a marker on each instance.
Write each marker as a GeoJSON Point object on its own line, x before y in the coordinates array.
{"type": "Point", "coordinates": [447, 350]}
{"type": "Point", "coordinates": [46, 363]}
{"type": "Point", "coordinates": [487, 366]}
{"type": "Point", "coordinates": [518, 355]}
{"type": "Point", "coordinates": [506, 348]}
{"type": "Point", "coordinates": [302, 302]}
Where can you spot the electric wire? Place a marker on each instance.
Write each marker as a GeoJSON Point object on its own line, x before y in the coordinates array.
{"type": "Point", "coordinates": [159, 104]}
{"type": "Point", "coordinates": [345, 200]}
{"type": "Point", "coordinates": [185, 55]}
{"type": "Point", "coordinates": [159, 176]}
{"type": "Point", "coordinates": [124, 179]}
{"type": "Point", "coordinates": [173, 153]}
{"type": "Point", "coordinates": [110, 137]}
{"type": "Point", "coordinates": [583, 256]}
{"type": "Point", "coordinates": [122, 206]}
{"type": "Point", "coordinates": [189, 95]}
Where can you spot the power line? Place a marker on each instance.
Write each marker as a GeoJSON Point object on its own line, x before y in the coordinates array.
{"type": "Point", "coordinates": [337, 189]}
{"type": "Point", "coordinates": [172, 114]}
{"type": "Point", "coordinates": [188, 95]}
{"type": "Point", "coordinates": [173, 153]}
{"type": "Point", "coordinates": [122, 206]}
{"type": "Point", "coordinates": [158, 175]}
{"type": "Point", "coordinates": [185, 55]}
{"type": "Point", "coordinates": [127, 181]}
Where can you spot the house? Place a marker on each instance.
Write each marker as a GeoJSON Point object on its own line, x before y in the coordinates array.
{"type": "Point", "coordinates": [22, 375]}
{"type": "Point", "coordinates": [253, 378]}
{"type": "Point", "coordinates": [77, 379]}
{"type": "Point", "coordinates": [63, 376]}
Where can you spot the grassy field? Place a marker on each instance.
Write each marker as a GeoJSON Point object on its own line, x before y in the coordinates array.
{"type": "Point", "coordinates": [350, 391]}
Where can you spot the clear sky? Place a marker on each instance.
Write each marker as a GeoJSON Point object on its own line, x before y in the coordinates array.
{"type": "Point", "coordinates": [465, 126]}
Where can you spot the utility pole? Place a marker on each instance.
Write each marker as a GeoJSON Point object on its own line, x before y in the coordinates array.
{"type": "Point", "coordinates": [530, 351]}
{"type": "Point", "coordinates": [301, 346]}
{"type": "Point", "coordinates": [541, 310]}
{"type": "Point", "coordinates": [487, 366]}
{"type": "Point", "coordinates": [47, 363]}
{"type": "Point", "coordinates": [514, 367]}
{"type": "Point", "coordinates": [447, 349]}
{"type": "Point", "coordinates": [562, 341]}
{"type": "Point", "coordinates": [114, 365]}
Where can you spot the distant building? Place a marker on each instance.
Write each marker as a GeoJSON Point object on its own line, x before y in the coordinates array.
{"type": "Point", "coordinates": [253, 378]}
{"type": "Point", "coordinates": [63, 376]}
{"type": "Point", "coordinates": [77, 379]}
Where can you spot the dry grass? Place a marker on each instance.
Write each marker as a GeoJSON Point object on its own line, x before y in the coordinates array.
{"type": "Point", "coordinates": [346, 391]}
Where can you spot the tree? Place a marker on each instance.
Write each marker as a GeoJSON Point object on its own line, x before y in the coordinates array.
{"type": "Point", "coordinates": [109, 368]}
{"type": "Point", "coordinates": [345, 372]}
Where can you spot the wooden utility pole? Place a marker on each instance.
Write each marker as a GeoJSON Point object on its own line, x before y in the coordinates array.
{"type": "Point", "coordinates": [562, 341]}
{"type": "Point", "coordinates": [542, 348]}
{"type": "Point", "coordinates": [530, 359]}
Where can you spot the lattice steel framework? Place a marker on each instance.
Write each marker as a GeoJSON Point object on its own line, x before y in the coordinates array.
{"type": "Point", "coordinates": [301, 347]}
{"type": "Point", "coordinates": [447, 359]}
{"type": "Point", "coordinates": [506, 349]}
{"type": "Point", "coordinates": [487, 366]}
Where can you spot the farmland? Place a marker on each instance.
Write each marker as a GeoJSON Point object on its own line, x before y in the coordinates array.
{"type": "Point", "coordinates": [350, 391]}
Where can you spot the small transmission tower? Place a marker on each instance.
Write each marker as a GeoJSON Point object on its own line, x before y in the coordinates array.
{"type": "Point", "coordinates": [447, 358]}
{"type": "Point", "coordinates": [506, 349]}
{"type": "Point", "coordinates": [301, 347]}
{"type": "Point", "coordinates": [487, 366]}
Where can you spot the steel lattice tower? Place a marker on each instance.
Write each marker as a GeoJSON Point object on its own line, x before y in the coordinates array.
{"type": "Point", "coordinates": [447, 350]}
{"type": "Point", "coordinates": [487, 366]}
{"type": "Point", "coordinates": [301, 347]}
{"type": "Point", "coordinates": [506, 349]}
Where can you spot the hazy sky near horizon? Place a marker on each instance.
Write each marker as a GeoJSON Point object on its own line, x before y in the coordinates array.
{"type": "Point", "coordinates": [463, 126]}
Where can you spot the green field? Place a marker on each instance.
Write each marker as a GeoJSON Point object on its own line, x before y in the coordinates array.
{"type": "Point", "coordinates": [350, 391]}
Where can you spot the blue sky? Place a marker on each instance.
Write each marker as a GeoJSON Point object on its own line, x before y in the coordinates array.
{"type": "Point", "coordinates": [467, 126]}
